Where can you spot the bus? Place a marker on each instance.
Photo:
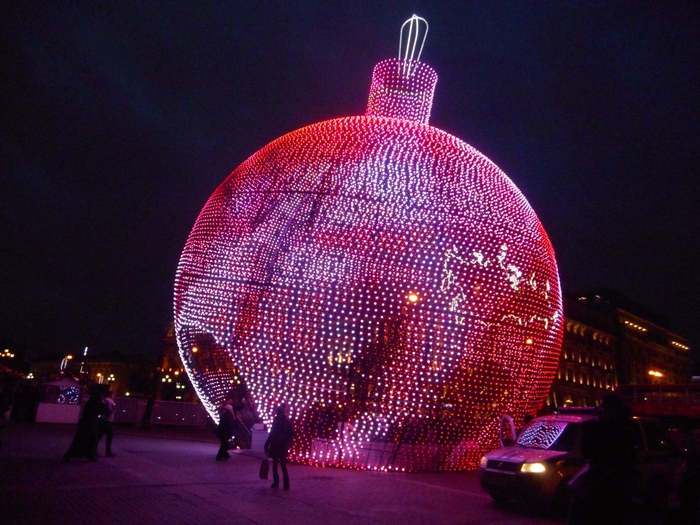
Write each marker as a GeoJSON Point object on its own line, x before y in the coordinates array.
{"type": "Point", "coordinates": [678, 406]}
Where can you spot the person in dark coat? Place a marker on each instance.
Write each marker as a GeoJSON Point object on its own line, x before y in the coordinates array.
{"type": "Point", "coordinates": [84, 443]}
{"type": "Point", "coordinates": [148, 413]}
{"type": "Point", "coordinates": [225, 429]}
{"type": "Point", "coordinates": [608, 445]}
{"type": "Point", "coordinates": [278, 444]}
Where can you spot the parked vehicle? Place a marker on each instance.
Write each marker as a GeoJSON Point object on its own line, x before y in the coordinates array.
{"type": "Point", "coordinates": [547, 454]}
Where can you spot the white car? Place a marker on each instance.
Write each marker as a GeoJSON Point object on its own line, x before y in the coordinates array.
{"type": "Point", "coordinates": [547, 454]}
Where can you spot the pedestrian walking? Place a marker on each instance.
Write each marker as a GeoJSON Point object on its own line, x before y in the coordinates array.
{"type": "Point", "coordinates": [278, 444]}
{"type": "Point", "coordinates": [105, 425]}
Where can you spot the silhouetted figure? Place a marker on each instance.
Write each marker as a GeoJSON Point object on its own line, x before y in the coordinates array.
{"type": "Point", "coordinates": [5, 407]}
{"type": "Point", "coordinates": [278, 444]}
{"type": "Point", "coordinates": [689, 489]}
{"type": "Point", "coordinates": [105, 425]}
{"type": "Point", "coordinates": [225, 429]}
{"type": "Point", "coordinates": [238, 404]}
{"type": "Point", "coordinates": [148, 413]}
{"type": "Point", "coordinates": [84, 443]}
{"type": "Point", "coordinates": [608, 446]}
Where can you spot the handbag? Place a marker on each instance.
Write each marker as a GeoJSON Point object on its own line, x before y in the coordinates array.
{"type": "Point", "coordinates": [264, 468]}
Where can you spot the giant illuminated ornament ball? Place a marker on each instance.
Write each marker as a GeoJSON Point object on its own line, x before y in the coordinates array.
{"type": "Point", "coordinates": [382, 278]}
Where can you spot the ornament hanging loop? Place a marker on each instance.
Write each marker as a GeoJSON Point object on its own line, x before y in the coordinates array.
{"type": "Point", "coordinates": [407, 53]}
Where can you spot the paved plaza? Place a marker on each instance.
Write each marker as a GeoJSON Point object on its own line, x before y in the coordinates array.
{"type": "Point", "coordinates": [170, 477]}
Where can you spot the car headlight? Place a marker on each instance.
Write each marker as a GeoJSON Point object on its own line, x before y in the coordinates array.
{"type": "Point", "coordinates": [532, 467]}
{"type": "Point", "coordinates": [483, 462]}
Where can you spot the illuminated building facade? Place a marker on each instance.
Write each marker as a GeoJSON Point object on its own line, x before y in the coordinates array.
{"type": "Point", "coordinates": [647, 351]}
{"type": "Point", "coordinates": [610, 341]}
{"type": "Point", "coordinates": [382, 278]}
{"type": "Point", "coordinates": [651, 354]}
{"type": "Point", "coordinates": [588, 362]}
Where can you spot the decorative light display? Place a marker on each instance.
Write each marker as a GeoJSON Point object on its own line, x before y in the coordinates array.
{"type": "Point", "coordinates": [382, 278]}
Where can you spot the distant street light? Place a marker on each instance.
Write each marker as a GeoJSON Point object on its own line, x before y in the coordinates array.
{"type": "Point", "coordinates": [64, 363]}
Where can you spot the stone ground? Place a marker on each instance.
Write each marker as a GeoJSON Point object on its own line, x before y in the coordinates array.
{"type": "Point", "coordinates": [169, 476]}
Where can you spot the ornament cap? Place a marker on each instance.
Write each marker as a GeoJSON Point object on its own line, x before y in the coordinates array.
{"type": "Point", "coordinates": [404, 87]}
{"type": "Point", "coordinates": [396, 94]}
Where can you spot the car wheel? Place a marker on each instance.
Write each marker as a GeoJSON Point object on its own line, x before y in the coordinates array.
{"type": "Point", "coordinates": [499, 496]}
{"type": "Point", "coordinates": [562, 498]}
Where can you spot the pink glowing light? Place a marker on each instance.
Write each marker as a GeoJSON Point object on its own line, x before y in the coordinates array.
{"type": "Point", "coordinates": [383, 278]}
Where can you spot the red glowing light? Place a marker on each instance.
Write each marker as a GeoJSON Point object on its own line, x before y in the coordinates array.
{"type": "Point", "coordinates": [294, 279]}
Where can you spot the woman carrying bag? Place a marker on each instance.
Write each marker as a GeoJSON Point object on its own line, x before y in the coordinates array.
{"type": "Point", "coordinates": [278, 444]}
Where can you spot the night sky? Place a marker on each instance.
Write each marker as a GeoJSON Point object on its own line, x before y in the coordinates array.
{"type": "Point", "coordinates": [119, 119]}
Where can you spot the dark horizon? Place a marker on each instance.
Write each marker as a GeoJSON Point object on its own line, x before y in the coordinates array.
{"type": "Point", "coordinates": [122, 119]}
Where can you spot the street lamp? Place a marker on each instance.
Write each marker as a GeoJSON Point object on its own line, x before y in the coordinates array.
{"type": "Point", "coordinates": [655, 376]}
{"type": "Point", "coordinates": [64, 363]}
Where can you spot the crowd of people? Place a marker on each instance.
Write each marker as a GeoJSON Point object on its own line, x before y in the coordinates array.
{"type": "Point", "coordinates": [602, 493]}
{"type": "Point", "coordinates": [97, 421]}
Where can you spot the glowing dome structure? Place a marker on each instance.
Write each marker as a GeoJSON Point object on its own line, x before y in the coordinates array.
{"type": "Point", "coordinates": [382, 278]}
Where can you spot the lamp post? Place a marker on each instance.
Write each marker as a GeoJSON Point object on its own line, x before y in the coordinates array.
{"type": "Point", "coordinates": [82, 365]}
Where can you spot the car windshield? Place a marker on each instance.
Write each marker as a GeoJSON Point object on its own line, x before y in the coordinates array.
{"type": "Point", "coordinates": [550, 435]}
